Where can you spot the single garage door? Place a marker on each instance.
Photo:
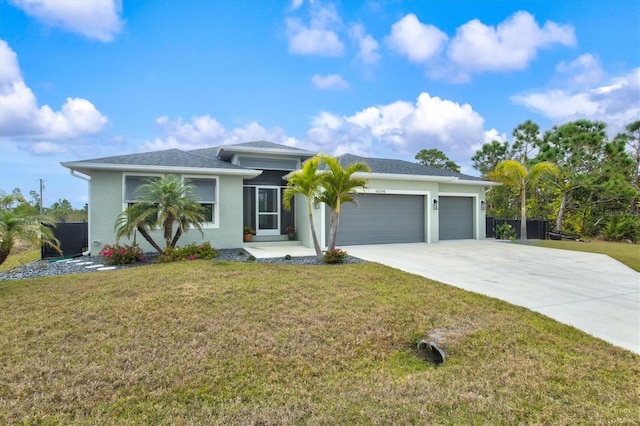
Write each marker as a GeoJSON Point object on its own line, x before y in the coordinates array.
{"type": "Point", "coordinates": [381, 219]}
{"type": "Point", "coordinates": [456, 218]}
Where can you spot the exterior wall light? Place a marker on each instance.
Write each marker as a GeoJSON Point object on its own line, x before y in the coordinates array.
{"type": "Point", "coordinates": [482, 205]}
{"type": "Point", "coordinates": [435, 204]}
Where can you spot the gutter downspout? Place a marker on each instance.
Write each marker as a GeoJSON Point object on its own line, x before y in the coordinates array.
{"type": "Point", "coordinates": [88, 180]}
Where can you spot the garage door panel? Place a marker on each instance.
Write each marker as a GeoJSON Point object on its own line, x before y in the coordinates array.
{"type": "Point", "coordinates": [382, 219]}
{"type": "Point", "coordinates": [456, 218]}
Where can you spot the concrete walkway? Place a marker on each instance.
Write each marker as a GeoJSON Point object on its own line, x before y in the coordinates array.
{"type": "Point", "coordinates": [591, 292]}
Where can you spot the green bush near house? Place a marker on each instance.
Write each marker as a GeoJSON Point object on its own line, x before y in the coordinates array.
{"type": "Point", "coordinates": [335, 256]}
{"type": "Point", "coordinates": [188, 252]}
{"type": "Point", "coordinates": [117, 254]}
{"type": "Point", "coordinates": [505, 232]}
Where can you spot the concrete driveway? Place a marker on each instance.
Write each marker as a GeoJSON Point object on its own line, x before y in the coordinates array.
{"type": "Point", "coordinates": [591, 292]}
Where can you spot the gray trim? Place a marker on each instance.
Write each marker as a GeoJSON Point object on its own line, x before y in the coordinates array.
{"type": "Point", "coordinates": [226, 152]}
{"type": "Point", "coordinates": [268, 163]}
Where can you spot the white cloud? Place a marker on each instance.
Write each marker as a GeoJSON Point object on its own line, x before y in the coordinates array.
{"type": "Point", "coordinates": [205, 131]}
{"type": "Point", "coordinates": [509, 46]}
{"type": "Point", "coordinates": [22, 119]}
{"type": "Point", "coordinates": [46, 148]}
{"type": "Point", "coordinates": [367, 45]}
{"type": "Point", "coordinates": [616, 103]}
{"type": "Point", "coordinates": [320, 36]}
{"type": "Point", "coordinates": [95, 19]}
{"type": "Point", "coordinates": [417, 41]}
{"type": "Point", "coordinates": [401, 129]}
{"type": "Point", "coordinates": [295, 4]}
{"type": "Point", "coordinates": [583, 71]}
{"type": "Point", "coordinates": [330, 81]}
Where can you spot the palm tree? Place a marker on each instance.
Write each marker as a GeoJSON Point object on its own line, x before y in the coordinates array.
{"type": "Point", "coordinates": [305, 182]}
{"type": "Point", "coordinates": [514, 174]}
{"type": "Point", "coordinates": [33, 229]}
{"type": "Point", "coordinates": [163, 203]}
{"type": "Point", "coordinates": [339, 186]}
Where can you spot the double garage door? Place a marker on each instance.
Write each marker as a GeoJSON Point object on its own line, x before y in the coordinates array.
{"type": "Point", "coordinates": [381, 219]}
{"type": "Point", "coordinates": [390, 218]}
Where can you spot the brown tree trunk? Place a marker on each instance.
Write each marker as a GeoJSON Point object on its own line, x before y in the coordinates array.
{"type": "Point", "coordinates": [316, 245]}
{"type": "Point", "coordinates": [150, 240]}
{"type": "Point", "coordinates": [523, 213]}
{"type": "Point", "coordinates": [563, 206]}
{"type": "Point", "coordinates": [4, 253]}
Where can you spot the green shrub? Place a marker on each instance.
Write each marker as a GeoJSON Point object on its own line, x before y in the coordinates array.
{"type": "Point", "coordinates": [621, 228]}
{"type": "Point", "coordinates": [334, 256]}
{"type": "Point", "coordinates": [189, 252]}
{"type": "Point", "coordinates": [287, 257]}
{"type": "Point", "coordinates": [505, 232]}
{"type": "Point", "coordinates": [121, 255]}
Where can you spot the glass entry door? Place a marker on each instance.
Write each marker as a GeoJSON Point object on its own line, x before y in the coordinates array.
{"type": "Point", "coordinates": [268, 210]}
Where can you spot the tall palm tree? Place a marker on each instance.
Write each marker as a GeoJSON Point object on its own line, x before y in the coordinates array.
{"type": "Point", "coordinates": [305, 182]}
{"type": "Point", "coordinates": [339, 187]}
{"type": "Point", "coordinates": [33, 229]}
{"type": "Point", "coordinates": [514, 174]}
{"type": "Point", "coordinates": [163, 203]}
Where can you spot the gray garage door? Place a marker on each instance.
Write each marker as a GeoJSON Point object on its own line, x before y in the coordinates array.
{"type": "Point", "coordinates": [456, 218]}
{"type": "Point", "coordinates": [381, 219]}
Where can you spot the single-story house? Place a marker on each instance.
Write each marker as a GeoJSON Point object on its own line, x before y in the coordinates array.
{"type": "Point", "coordinates": [242, 185]}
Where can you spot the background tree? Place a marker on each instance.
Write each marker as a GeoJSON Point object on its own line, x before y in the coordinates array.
{"type": "Point", "coordinates": [306, 182]}
{"type": "Point", "coordinates": [10, 201]}
{"type": "Point", "coordinates": [526, 142]}
{"type": "Point", "coordinates": [514, 174]}
{"type": "Point", "coordinates": [60, 210]}
{"type": "Point", "coordinates": [436, 158]}
{"type": "Point", "coordinates": [632, 138]}
{"type": "Point", "coordinates": [578, 149]}
{"type": "Point", "coordinates": [487, 158]}
{"type": "Point", "coordinates": [162, 203]}
{"type": "Point", "coordinates": [502, 201]}
{"type": "Point", "coordinates": [339, 187]}
{"type": "Point", "coordinates": [63, 211]}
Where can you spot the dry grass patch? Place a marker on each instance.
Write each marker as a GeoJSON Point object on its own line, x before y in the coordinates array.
{"type": "Point", "coordinates": [627, 253]}
{"type": "Point", "coordinates": [21, 254]}
{"type": "Point", "coordinates": [226, 343]}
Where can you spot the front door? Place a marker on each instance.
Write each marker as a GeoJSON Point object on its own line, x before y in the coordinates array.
{"type": "Point", "coordinates": [268, 210]}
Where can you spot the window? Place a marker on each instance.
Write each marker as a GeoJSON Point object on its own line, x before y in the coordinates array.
{"type": "Point", "coordinates": [131, 186]}
{"type": "Point", "coordinates": [204, 191]}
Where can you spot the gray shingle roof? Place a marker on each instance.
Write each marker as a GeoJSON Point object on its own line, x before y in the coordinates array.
{"type": "Point", "coordinates": [402, 167]}
{"type": "Point", "coordinates": [166, 158]}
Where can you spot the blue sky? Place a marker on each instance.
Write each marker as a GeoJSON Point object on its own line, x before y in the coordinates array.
{"type": "Point", "coordinates": [87, 79]}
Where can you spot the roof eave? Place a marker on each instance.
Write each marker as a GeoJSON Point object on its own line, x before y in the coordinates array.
{"type": "Point", "coordinates": [426, 178]}
{"type": "Point", "coordinates": [401, 176]}
{"type": "Point", "coordinates": [85, 168]}
{"type": "Point", "coordinates": [263, 151]}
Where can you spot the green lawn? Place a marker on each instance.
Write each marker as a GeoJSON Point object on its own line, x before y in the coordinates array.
{"type": "Point", "coordinates": [20, 259]}
{"type": "Point", "coordinates": [629, 254]}
{"type": "Point", "coordinates": [209, 342]}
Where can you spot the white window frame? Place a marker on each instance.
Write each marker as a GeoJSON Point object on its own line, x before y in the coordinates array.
{"type": "Point", "coordinates": [216, 210]}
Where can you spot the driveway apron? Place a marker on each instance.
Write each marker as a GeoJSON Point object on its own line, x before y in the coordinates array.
{"type": "Point", "coordinates": [591, 292]}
